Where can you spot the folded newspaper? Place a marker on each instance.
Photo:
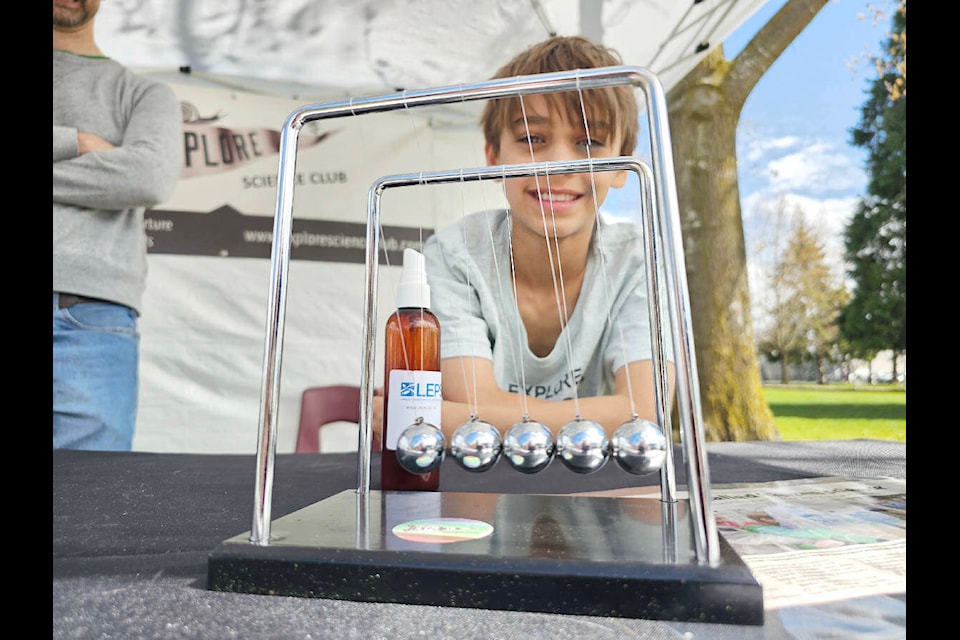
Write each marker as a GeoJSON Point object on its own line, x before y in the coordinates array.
{"type": "Point", "coordinates": [813, 540]}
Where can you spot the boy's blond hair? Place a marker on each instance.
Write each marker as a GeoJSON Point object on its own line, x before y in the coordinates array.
{"type": "Point", "coordinates": [616, 106]}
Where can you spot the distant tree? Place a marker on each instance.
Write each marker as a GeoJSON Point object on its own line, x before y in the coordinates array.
{"type": "Point", "coordinates": [704, 110]}
{"type": "Point", "coordinates": [780, 339]}
{"type": "Point", "coordinates": [892, 66]}
{"type": "Point", "coordinates": [875, 239]}
{"type": "Point", "coordinates": [825, 296]}
{"type": "Point", "coordinates": [807, 297]}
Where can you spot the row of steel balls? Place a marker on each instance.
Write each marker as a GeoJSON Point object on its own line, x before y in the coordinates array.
{"type": "Point", "coordinates": [639, 446]}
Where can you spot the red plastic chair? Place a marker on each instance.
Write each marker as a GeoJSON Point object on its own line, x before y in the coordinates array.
{"type": "Point", "coordinates": [325, 404]}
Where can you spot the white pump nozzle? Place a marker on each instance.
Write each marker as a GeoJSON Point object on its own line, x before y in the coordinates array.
{"type": "Point", "coordinates": [413, 290]}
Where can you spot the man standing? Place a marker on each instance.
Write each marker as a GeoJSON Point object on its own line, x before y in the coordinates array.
{"type": "Point", "coordinates": [117, 140]}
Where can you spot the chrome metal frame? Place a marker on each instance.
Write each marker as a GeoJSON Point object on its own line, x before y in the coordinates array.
{"type": "Point", "coordinates": [664, 227]}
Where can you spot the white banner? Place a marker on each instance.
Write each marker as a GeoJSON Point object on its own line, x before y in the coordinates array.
{"type": "Point", "coordinates": [204, 314]}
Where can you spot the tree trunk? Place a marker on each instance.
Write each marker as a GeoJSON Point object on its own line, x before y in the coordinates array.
{"type": "Point", "coordinates": [784, 371]}
{"type": "Point", "coordinates": [704, 110]}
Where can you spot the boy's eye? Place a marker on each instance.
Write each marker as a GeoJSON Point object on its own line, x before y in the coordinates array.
{"type": "Point", "coordinates": [530, 139]}
{"type": "Point", "coordinates": [591, 143]}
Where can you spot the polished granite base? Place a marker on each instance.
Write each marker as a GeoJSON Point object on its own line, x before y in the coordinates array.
{"type": "Point", "coordinates": [580, 555]}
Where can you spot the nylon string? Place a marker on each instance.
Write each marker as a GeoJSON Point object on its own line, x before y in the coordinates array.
{"type": "Point", "coordinates": [603, 264]}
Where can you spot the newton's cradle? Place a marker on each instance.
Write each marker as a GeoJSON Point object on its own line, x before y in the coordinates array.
{"type": "Point", "coordinates": [386, 546]}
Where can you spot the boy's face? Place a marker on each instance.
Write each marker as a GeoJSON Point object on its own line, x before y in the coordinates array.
{"type": "Point", "coordinates": [568, 200]}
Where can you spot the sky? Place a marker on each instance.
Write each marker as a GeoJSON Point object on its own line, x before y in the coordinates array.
{"type": "Point", "coordinates": [793, 139]}
{"type": "Point", "coordinates": [794, 133]}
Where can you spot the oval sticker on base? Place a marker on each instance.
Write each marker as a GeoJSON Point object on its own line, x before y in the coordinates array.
{"type": "Point", "coordinates": [442, 530]}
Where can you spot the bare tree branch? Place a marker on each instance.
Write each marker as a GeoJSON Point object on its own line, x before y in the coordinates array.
{"type": "Point", "coordinates": [767, 45]}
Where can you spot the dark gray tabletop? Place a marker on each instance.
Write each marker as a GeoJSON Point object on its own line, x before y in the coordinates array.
{"type": "Point", "coordinates": [132, 533]}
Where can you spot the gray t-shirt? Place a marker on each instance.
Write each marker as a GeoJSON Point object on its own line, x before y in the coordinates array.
{"type": "Point", "coordinates": [471, 293]}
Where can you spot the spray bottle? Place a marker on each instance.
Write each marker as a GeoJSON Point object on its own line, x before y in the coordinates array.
{"type": "Point", "coordinates": [411, 374]}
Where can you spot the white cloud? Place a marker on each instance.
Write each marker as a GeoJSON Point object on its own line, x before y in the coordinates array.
{"type": "Point", "coordinates": [790, 163]}
{"type": "Point", "coordinates": [818, 167]}
{"type": "Point", "coordinates": [758, 149]}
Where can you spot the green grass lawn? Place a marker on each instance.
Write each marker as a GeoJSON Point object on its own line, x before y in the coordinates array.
{"type": "Point", "coordinates": [838, 411]}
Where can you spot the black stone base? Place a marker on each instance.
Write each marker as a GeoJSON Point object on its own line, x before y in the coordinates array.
{"type": "Point", "coordinates": [578, 555]}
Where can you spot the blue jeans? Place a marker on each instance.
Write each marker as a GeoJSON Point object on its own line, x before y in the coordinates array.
{"type": "Point", "coordinates": [96, 358]}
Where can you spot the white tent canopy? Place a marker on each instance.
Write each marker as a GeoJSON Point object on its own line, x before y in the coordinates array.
{"type": "Point", "coordinates": [252, 63]}
{"type": "Point", "coordinates": [311, 49]}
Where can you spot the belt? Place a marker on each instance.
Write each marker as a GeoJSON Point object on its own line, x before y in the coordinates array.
{"type": "Point", "coordinates": [67, 300]}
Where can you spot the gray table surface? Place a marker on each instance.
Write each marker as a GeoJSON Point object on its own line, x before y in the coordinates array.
{"type": "Point", "coordinates": [132, 533]}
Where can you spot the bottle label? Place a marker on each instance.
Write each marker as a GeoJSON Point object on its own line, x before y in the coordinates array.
{"type": "Point", "coordinates": [413, 394]}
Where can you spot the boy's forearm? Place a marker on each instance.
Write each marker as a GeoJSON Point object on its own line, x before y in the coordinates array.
{"type": "Point", "coordinates": [506, 410]}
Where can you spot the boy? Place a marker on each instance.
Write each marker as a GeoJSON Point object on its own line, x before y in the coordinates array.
{"type": "Point", "coordinates": [534, 320]}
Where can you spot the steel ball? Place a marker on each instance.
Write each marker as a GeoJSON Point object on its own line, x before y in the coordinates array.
{"type": "Point", "coordinates": [583, 446]}
{"type": "Point", "coordinates": [528, 446]}
{"type": "Point", "coordinates": [476, 445]}
{"type": "Point", "coordinates": [639, 446]}
{"type": "Point", "coordinates": [420, 448]}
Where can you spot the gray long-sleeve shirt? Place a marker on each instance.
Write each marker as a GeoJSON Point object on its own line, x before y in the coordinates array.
{"type": "Point", "coordinates": [99, 245]}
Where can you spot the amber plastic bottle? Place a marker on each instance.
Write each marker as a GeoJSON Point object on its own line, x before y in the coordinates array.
{"type": "Point", "coordinates": [411, 361]}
